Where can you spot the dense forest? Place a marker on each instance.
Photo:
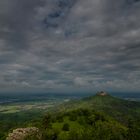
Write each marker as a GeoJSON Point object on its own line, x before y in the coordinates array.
{"type": "Point", "coordinates": [87, 124]}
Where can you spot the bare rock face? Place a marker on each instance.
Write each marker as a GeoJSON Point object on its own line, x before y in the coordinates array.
{"type": "Point", "coordinates": [22, 133]}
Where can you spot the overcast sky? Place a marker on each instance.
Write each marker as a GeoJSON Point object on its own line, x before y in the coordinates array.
{"type": "Point", "coordinates": [69, 45]}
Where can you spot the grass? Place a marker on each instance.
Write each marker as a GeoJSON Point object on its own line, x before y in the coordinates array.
{"type": "Point", "coordinates": [14, 108]}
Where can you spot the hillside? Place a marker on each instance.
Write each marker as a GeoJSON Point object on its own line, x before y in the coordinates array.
{"type": "Point", "coordinates": [119, 108]}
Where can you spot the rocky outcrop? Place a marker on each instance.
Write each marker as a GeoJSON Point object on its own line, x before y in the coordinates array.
{"type": "Point", "coordinates": [22, 133]}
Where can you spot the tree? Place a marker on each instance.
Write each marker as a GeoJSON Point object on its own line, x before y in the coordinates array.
{"type": "Point", "coordinates": [65, 127]}
{"type": "Point", "coordinates": [134, 130]}
{"type": "Point", "coordinates": [47, 121]}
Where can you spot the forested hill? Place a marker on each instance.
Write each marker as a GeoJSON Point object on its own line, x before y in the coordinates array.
{"type": "Point", "coordinates": [116, 107]}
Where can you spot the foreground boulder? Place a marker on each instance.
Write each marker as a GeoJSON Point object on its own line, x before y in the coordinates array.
{"type": "Point", "coordinates": [24, 133]}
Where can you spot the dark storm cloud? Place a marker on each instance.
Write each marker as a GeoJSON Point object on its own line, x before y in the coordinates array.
{"type": "Point", "coordinates": [16, 20]}
{"type": "Point", "coordinates": [69, 45]}
{"type": "Point", "coordinates": [61, 10]}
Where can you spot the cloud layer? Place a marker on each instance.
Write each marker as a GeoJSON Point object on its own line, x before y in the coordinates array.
{"type": "Point", "coordinates": [69, 45]}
